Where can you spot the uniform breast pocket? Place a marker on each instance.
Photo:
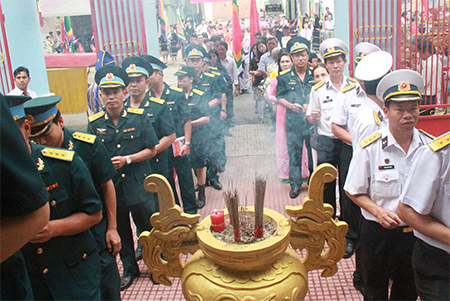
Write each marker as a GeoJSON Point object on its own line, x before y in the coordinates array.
{"type": "Point", "coordinates": [105, 139]}
{"type": "Point", "coordinates": [131, 135]}
{"type": "Point", "coordinates": [83, 262]}
{"type": "Point", "coordinates": [353, 110]}
{"type": "Point", "coordinates": [59, 203]}
{"type": "Point", "coordinates": [386, 184]}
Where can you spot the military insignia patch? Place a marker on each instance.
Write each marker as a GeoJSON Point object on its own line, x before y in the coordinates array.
{"type": "Point", "coordinates": [129, 130]}
{"type": "Point", "coordinates": [404, 86]}
{"type": "Point", "coordinates": [377, 120]}
{"type": "Point", "coordinates": [109, 76]}
{"type": "Point", "coordinates": [330, 48]}
{"type": "Point", "coordinates": [101, 132]}
{"type": "Point", "coordinates": [70, 146]}
{"type": "Point", "coordinates": [384, 142]}
{"type": "Point", "coordinates": [51, 187]}
{"type": "Point", "coordinates": [132, 67]}
{"type": "Point", "coordinates": [40, 164]}
{"type": "Point", "coordinates": [386, 160]}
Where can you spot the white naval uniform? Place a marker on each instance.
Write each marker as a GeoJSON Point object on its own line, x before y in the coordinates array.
{"type": "Point", "coordinates": [348, 105]}
{"type": "Point", "coordinates": [370, 119]}
{"type": "Point", "coordinates": [427, 189]}
{"type": "Point", "coordinates": [380, 170]}
{"type": "Point", "coordinates": [325, 98]}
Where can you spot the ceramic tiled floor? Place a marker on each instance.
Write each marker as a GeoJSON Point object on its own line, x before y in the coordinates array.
{"type": "Point", "coordinates": [252, 149]}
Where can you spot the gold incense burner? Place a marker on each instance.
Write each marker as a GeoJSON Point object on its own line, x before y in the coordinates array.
{"type": "Point", "coordinates": [265, 270]}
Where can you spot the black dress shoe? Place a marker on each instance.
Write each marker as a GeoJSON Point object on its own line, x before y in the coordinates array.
{"type": "Point", "coordinates": [358, 283]}
{"type": "Point", "coordinates": [138, 254]}
{"type": "Point", "coordinates": [295, 191]}
{"type": "Point", "coordinates": [349, 249]}
{"type": "Point", "coordinates": [127, 281]}
{"type": "Point", "coordinates": [216, 185]}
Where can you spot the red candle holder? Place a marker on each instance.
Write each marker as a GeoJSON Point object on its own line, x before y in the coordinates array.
{"type": "Point", "coordinates": [217, 220]}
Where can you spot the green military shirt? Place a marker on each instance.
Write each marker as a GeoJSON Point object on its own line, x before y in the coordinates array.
{"type": "Point", "coordinates": [294, 90]}
{"type": "Point", "coordinates": [198, 109]}
{"type": "Point", "coordinates": [98, 162]}
{"type": "Point", "coordinates": [218, 76]}
{"type": "Point", "coordinates": [132, 134]}
{"type": "Point", "coordinates": [175, 100]}
{"type": "Point", "coordinates": [161, 119]}
{"type": "Point", "coordinates": [23, 192]}
{"type": "Point", "coordinates": [69, 265]}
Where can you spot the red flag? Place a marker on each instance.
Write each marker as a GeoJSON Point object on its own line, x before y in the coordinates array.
{"type": "Point", "coordinates": [254, 21]}
{"type": "Point", "coordinates": [237, 35]}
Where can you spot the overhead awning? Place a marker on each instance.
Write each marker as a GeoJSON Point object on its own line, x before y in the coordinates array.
{"type": "Point", "coordinates": [58, 8]}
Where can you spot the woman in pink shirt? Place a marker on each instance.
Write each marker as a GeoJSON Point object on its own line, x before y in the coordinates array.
{"type": "Point", "coordinates": [284, 63]}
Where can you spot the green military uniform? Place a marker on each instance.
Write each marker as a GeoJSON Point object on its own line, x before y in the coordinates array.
{"type": "Point", "coordinates": [26, 195]}
{"type": "Point", "coordinates": [198, 109]}
{"type": "Point", "coordinates": [156, 110]}
{"type": "Point", "coordinates": [161, 119]}
{"type": "Point", "coordinates": [65, 267]}
{"type": "Point", "coordinates": [72, 258]}
{"type": "Point", "coordinates": [178, 107]}
{"type": "Point", "coordinates": [295, 90]}
{"type": "Point", "coordinates": [132, 134]}
{"type": "Point", "coordinates": [96, 158]}
{"type": "Point", "coordinates": [207, 83]}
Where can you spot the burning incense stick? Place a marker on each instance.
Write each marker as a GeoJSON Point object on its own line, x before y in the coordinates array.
{"type": "Point", "coordinates": [232, 201]}
{"type": "Point", "coordinates": [260, 191]}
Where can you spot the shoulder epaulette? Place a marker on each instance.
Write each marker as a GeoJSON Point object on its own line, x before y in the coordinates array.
{"type": "Point", "coordinates": [176, 89]}
{"type": "Point", "coordinates": [440, 142]}
{"type": "Point", "coordinates": [208, 74]}
{"type": "Point", "coordinates": [96, 116]}
{"type": "Point", "coordinates": [89, 138]}
{"type": "Point", "coordinates": [198, 92]}
{"type": "Point", "coordinates": [285, 71]}
{"type": "Point", "coordinates": [369, 140]}
{"type": "Point", "coordinates": [427, 134]}
{"type": "Point", "coordinates": [352, 79]}
{"type": "Point", "coordinates": [157, 100]}
{"type": "Point", "coordinates": [57, 153]}
{"type": "Point", "coordinates": [213, 68]}
{"type": "Point", "coordinates": [318, 85]}
{"type": "Point", "coordinates": [135, 111]}
{"type": "Point", "coordinates": [348, 88]}
{"type": "Point", "coordinates": [215, 73]}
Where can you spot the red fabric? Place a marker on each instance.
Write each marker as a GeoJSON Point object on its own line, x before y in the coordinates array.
{"type": "Point", "coordinates": [237, 35]}
{"type": "Point", "coordinates": [254, 21]}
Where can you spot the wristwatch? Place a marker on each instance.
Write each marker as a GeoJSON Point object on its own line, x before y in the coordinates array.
{"type": "Point", "coordinates": [128, 159]}
{"type": "Point", "coordinates": [187, 143]}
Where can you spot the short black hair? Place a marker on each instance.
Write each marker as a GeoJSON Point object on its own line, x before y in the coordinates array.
{"type": "Point", "coordinates": [21, 69]}
{"type": "Point", "coordinates": [224, 44]}
{"type": "Point", "coordinates": [371, 86]}
{"type": "Point", "coordinates": [425, 46]}
{"type": "Point", "coordinates": [257, 33]}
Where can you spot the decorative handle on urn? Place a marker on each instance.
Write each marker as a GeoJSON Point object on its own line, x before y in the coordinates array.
{"type": "Point", "coordinates": [173, 232]}
{"type": "Point", "coordinates": [313, 224]}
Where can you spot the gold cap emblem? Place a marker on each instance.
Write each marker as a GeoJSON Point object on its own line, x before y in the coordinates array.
{"type": "Point", "coordinates": [109, 76]}
{"type": "Point", "coordinates": [194, 51]}
{"type": "Point", "coordinates": [330, 48]}
{"type": "Point", "coordinates": [404, 86]}
{"type": "Point", "coordinates": [296, 44]}
{"type": "Point", "coordinates": [364, 53]}
{"type": "Point", "coordinates": [132, 67]}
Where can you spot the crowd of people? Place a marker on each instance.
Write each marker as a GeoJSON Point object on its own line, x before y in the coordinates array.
{"type": "Point", "coordinates": [88, 184]}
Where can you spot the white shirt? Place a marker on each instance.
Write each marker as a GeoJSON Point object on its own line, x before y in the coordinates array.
{"type": "Point", "coordinates": [380, 170]}
{"type": "Point", "coordinates": [202, 28]}
{"type": "Point", "coordinates": [329, 25]}
{"type": "Point", "coordinates": [366, 123]}
{"type": "Point", "coordinates": [17, 91]}
{"type": "Point", "coordinates": [431, 71]}
{"type": "Point", "coordinates": [306, 33]}
{"type": "Point", "coordinates": [265, 60]}
{"type": "Point", "coordinates": [348, 105]}
{"type": "Point", "coordinates": [324, 99]}
{"type": "Point", "coordinates": [427, 189]}
{"type": "Point", "coordinates": [231, 67]}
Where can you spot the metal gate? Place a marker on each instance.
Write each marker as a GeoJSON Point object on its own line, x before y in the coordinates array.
{"type": "Point", "coordinates": [6, 77]}
{"type": "Point", "coordinates": [403, 28]}
{"type": "Point", "coordinates": [119, 27]}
